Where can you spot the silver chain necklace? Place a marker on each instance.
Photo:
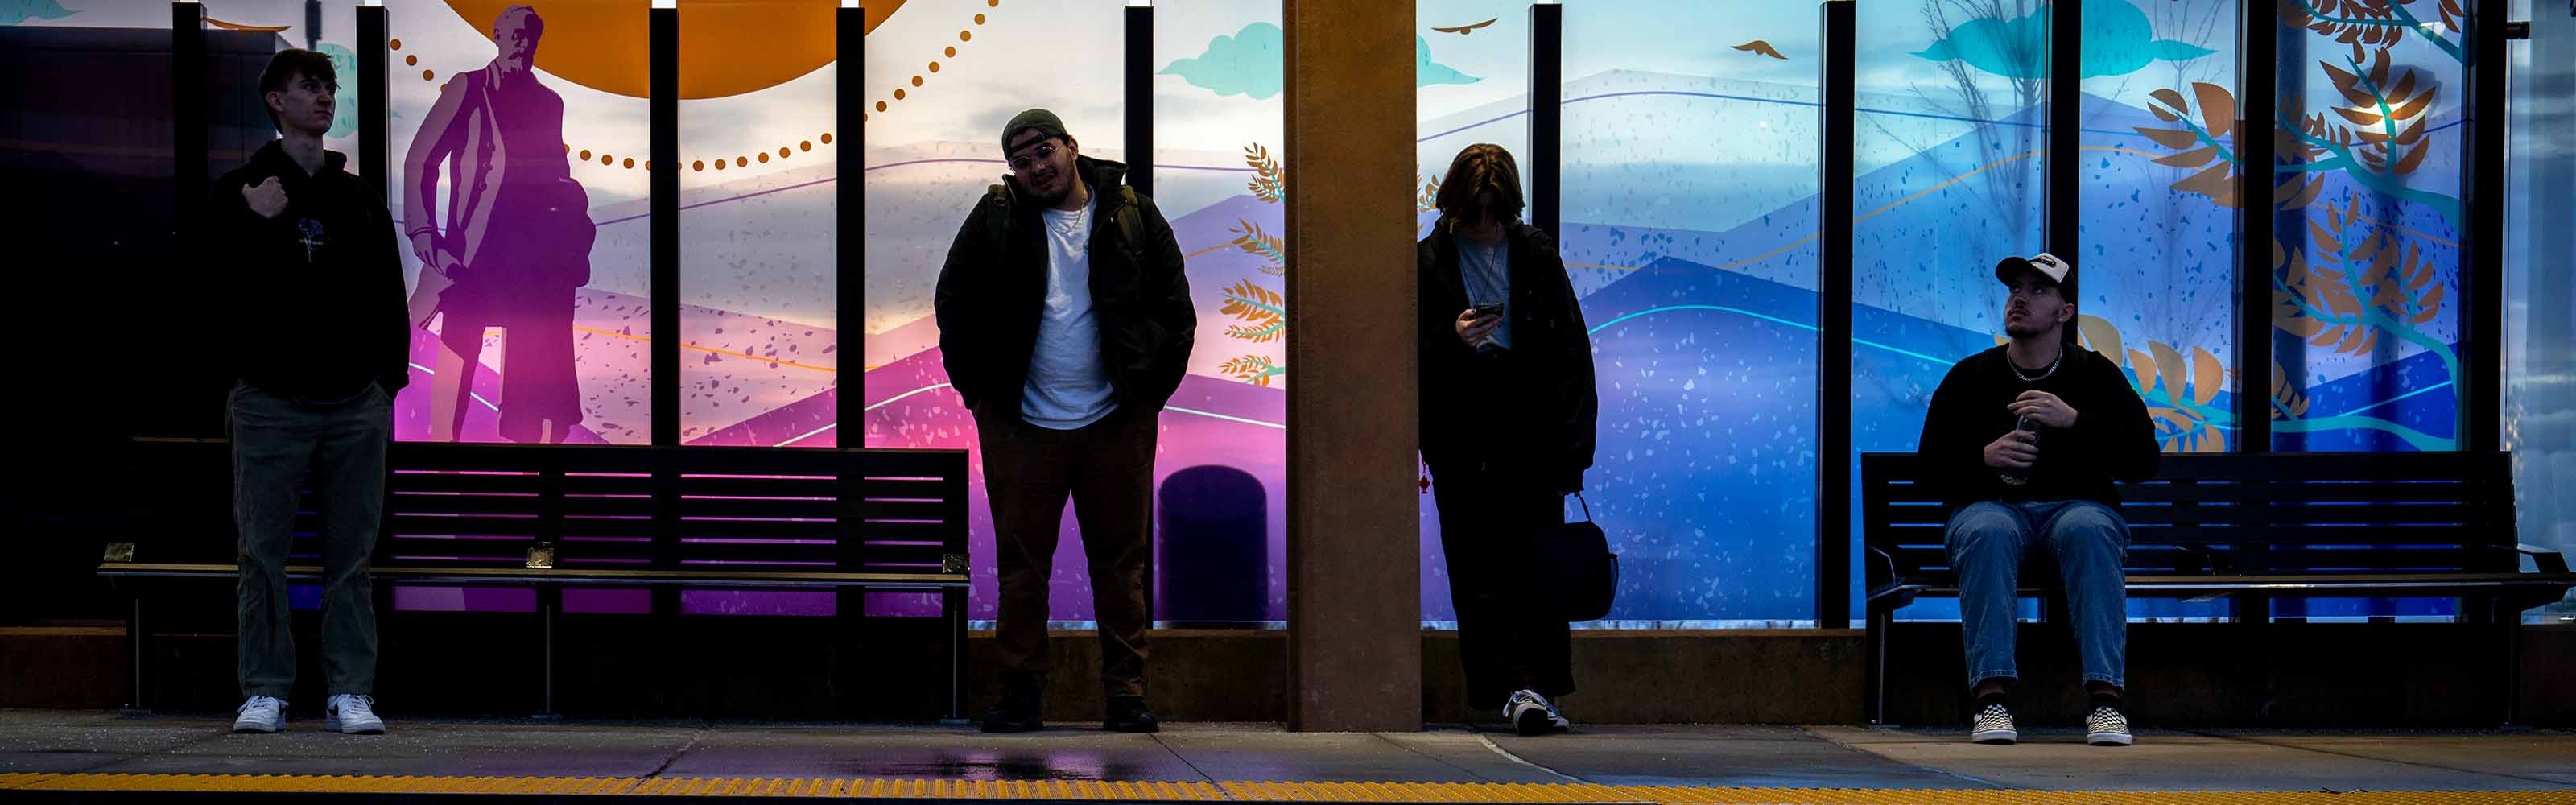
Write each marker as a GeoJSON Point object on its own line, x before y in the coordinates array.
{"type": "Point", "coordinates": [2043, 374]}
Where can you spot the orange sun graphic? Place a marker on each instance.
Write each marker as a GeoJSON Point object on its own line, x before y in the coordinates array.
{"type": "Point", "coordinates": [726, 48]}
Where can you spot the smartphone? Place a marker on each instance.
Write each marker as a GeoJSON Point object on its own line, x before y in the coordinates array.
{"type": "Point", "coordinates": [1489, 311]}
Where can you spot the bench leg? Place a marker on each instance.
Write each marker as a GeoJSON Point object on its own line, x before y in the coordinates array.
{"type": "Point", "coordinates": [1875, 642]}
{"type": "Point", "coordinates": [2509, 624]}
{"type": "Point", "coordinates": [952, 603]}
{"type": "Point", "coordinates": [549, 604]}
{"type": "Point", "coordinates": [134, 640]}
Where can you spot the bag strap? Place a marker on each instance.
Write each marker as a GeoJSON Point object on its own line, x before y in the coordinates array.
{"type": "Point", "coordinates": [1587, 506]}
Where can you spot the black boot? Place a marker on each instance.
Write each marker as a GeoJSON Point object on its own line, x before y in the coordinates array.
{"type": "Point", "coordinates": [1018, 711]}
{"type": "Point", "coordinates": [1128, 714]}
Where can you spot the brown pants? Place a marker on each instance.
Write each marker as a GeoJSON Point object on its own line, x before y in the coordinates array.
{"type": "Point", "coordinates": [1108, 469]}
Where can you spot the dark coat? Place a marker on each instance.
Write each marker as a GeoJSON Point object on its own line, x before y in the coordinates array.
{"type": "Point", "coordinates": [992, 294]}
{"type": "Point", "coordinates": [1529, 412]}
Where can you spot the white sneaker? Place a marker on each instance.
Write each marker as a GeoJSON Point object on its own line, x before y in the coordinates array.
{"type": "Point", "coordinates": [260, 714]}
{"type": "Point", "coordinates": [353, 714]}
{"type": "Point", "coordinates": [2106, 727]}
{"type": "Point", "coordinates": [1556, 717]}
{"type": "Point", "coordinates": [1994, 725]}
{"type": "Point", "coordinates": [1529, 713]}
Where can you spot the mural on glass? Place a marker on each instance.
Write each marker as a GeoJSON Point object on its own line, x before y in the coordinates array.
{"type": "Point", "coordinates": [759, 364]}
{"type": "Point", "coordinates": [1688, 230]}
{"type": "Point", "coordinates": [952, 73]}
{"type": "Point", "coordinates": [1219, 174]}
{"type": "Point", "coordinates": [517, 134]}
{"type": "Point", "coordinates": [1948, 157]}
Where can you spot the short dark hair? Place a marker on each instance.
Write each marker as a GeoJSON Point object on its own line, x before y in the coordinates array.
{"type": "Point", "coordinates": [284, 67]}
{"type": "Point", "coordinates": [1479, 168]}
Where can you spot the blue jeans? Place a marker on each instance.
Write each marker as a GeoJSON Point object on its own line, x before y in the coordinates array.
{"type": "Point", "coordinates": [1988, 542]}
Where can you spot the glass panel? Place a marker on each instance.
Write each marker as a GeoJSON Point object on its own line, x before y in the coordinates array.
{"type": "Point", "coordinates": [1471, 85]}
{"type": "Point", "coordinates": [2366, 290]}
{"type": "Point", "coordinates": [527, 188]}
{"type": "Point", "coordinates": [1949, 132]}
{"type": "Point", "coordinates": [2366, 300]}
{"type": "Point", "coordinates": [2540, 296]}
{"type": "Point", "coordinates": [2158, 263]}
{"type": "Point", "coordinates": [759, 362]}
{"type": "Point", "coordinates": [1219, 175]}
{"type": "Point", "coordinates": [1689, 232]}
{"type": "Point", "coordinates": [931, 152]}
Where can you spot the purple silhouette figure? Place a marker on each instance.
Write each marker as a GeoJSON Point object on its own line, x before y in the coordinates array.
{"type": "Point", "coordinates": [513, 245]}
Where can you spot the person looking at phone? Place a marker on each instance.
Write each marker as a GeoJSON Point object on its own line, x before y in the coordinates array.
{"type": "Point", "coordinates": [2023, 441]}
{"type": "Point", "coordinates": [1508, 412]}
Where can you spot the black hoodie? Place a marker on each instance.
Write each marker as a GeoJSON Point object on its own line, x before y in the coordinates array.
{"type": "Point", "coordinates": [315, 295]}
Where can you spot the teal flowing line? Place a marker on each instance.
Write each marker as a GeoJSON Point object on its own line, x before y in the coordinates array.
{"type": "Point", "coordinates": [1773, 319]}
{"type": "Point", "coordinates": [2436, 386]}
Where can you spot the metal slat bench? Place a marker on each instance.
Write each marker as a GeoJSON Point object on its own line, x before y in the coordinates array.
{"type": "Point", "coordinates": [555, 516]}
{"type": "Point", "coordinates": [2256, 527]}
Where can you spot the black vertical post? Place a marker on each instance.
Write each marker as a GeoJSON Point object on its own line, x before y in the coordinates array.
{"type": "Point", "coordinates": [849, 292]}
{"type": "Point", "coordinates": [849, 204]}
{"type": "Point", "coordinates": [312, 24]}
{"type": "Point", "coordinates": [1834, 201]}
{"type": "Point", "coordinates": [2065, 129]}
{"type": "Point", "coordinates": [2482, 280]}
{"type": "Point", "coordinates": [1140, 98]}
{"type": "Point", "coordinates": [2258, 61]}
{"type": "Point", "coordinates": [1547, 116]}
{"type": "Point", "coordinates": [374, 154]}
{"type": "Point", "coordinates": [2258, 220]}
{"type": "Point", "coordinates": [187, 116]}
{"type": "Point", "coordinates": [664, 54]}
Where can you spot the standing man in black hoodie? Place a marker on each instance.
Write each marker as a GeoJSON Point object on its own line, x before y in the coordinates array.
{"type": "Point", "coordinates": [2025, 440]}
{"type": "Point", "coordinates": [322, 338]}
{"type": "Point", "coordinates": [1065, 324]}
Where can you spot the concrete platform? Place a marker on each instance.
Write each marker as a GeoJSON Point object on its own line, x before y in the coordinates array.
{"type": "Point", "coordinates": [1935, 764]}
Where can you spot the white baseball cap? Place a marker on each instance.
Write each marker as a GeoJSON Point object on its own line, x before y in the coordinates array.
{"type": "Point", "coordinates": [2048, 265]}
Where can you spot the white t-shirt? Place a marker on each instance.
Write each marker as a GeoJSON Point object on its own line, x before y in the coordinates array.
{"type": "Point", "coordinates": [1068, 387]}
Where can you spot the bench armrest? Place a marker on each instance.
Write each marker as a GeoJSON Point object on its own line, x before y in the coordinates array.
{"type": "Point", "coordinates": [1881, 568]}
{"type": "Point", "coordinates": [2549, 561]}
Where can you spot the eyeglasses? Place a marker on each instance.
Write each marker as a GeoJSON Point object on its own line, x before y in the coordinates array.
{"type": "Point", "coordinates": [1045, 150]}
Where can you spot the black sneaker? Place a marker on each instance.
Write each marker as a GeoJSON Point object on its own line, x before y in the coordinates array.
{"type": "Point", "coordinates": [2106, 727]}
{"type": "Point", "coordinates": [1018, 712]}
{"type": "Point", "coordinates": [1128, 714]}
{"type": "Point", "coordinates": [1994, 725]}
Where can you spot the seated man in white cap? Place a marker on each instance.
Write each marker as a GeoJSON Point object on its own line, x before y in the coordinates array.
{"type": "Point", "coordinates": [2025, 441]}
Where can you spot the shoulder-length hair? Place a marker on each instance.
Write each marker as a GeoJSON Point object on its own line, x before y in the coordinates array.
{"type": "Point", "coordinates": [1480, 168]}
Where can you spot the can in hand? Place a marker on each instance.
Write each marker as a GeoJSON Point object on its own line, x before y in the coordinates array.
{"type": "Point", "coordinates": [2014, 477]}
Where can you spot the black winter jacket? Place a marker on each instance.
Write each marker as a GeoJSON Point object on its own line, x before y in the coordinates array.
{"type": "Point", "coordinates": [992, 293]}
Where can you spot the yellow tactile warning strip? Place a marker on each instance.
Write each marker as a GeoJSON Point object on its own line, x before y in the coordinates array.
{"type": "Point", "coordinates": [1214, 792]}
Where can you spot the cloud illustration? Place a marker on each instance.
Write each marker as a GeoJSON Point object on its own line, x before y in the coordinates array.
{"type": "Point", "coordinates": [1248, 63]}
{"type": "Point", "coordinates": [344, 62]}
{"type": "Point", "coordinates": [1427, 72]}
{"type": "Point", "coordinates": [1252, 61]}
{"type": "Point", "coordinates": [2118, 40]}
{"type": "Point", "coordinates": [13, 12]}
